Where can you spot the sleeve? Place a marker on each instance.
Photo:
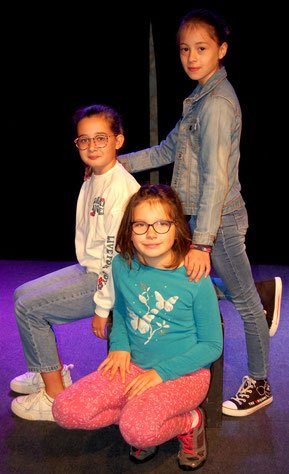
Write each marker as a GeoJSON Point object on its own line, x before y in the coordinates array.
{"type": "Point", "coordinates": [209, 344]}
{"type": "Point", "coordinates": [118, 339]}
{"type": "Point", "coordinates": [154, 157]}
{"type": "Point", "coordinates": [104, 296]}
{"type": "Point", "coordinates": [116, 201]}
{"type": "Point", "coordinates": [217, 125]}
{"type": "Point", "coordinates": [80, 229]}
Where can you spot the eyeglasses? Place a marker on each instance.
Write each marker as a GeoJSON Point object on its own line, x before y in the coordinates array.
{"type": "Point", "coordinates": [160, 227]}
{"type": "Point", "coordinates": [100, 140]}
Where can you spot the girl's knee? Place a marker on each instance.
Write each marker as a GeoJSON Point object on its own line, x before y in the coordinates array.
{"type": "Point", "coordinates": [64, 412]}
{"type": "Point", "coordinates": [21, 307]}
{"type": "Point", "coordinates": [22, 291]}
{"type": "Point", "coordinates": [136, 431]}
{"type": "Point", "coordinates": [17, 294]}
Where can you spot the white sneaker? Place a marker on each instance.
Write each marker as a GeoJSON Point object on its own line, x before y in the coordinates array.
{"type": "Point", "coordinates": [31, 382]}
{"type": "Point", "coordinates": [36, 406]}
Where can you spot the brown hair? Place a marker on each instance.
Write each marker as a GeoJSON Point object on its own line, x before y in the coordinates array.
{"type": "Point", "coordinates": [217, 27]}
{"type": "Point", "coordinates": [165, 195]}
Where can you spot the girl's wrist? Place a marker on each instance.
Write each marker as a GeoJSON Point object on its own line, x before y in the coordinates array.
{"type": "Point", "coordinates": [202, 247]}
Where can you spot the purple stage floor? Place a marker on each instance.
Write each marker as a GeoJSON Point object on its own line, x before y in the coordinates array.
{"type": "Point", "coordinates": [258, 443]}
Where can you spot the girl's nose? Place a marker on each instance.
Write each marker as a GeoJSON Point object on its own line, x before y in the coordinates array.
{"type": "Point", "coordinates": [92, 144]}
{"type": "Point", "coordinates": [151, 233]}
{"type": "Point", "coordinates": [192, 56]}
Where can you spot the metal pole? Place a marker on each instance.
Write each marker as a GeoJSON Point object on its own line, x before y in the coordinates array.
{"type": "Point", "coordinates": [154, 133]}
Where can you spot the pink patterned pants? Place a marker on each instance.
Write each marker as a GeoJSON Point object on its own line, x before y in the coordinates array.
{"type": "Point", "coordinates": [152, 418]}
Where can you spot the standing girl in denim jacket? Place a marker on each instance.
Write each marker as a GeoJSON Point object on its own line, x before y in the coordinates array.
{"type": "Point", "coordinates": [204, 146]}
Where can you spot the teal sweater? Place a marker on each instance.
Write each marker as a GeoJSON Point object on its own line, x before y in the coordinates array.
{"type": "Point", "coordinates": [166, 322]}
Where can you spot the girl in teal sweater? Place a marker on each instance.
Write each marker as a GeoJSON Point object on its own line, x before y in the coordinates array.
{"type": "Point", "coordinates": [166, 333]}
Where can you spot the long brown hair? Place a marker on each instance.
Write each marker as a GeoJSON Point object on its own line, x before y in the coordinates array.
{"type": "Point", "coordinates": [165, 195]}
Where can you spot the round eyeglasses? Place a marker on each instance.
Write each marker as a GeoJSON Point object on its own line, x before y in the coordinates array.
{"type": "Point", "coordinates": [160, 227]}
{"type": "Point", "coordinates": [99, 140]}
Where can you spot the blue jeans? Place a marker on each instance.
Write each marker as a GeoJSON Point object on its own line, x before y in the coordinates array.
{"type": "Point", "coordinates": [232, 265]}
{"type": "Point", "coordinates": [57, 298]}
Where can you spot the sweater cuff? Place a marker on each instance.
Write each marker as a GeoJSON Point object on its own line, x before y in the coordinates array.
{"type": "Point", "coordinates": [101, 312]}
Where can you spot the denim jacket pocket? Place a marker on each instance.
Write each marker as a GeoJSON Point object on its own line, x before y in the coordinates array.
{"type": "Point", "coordinates": [193, 130]}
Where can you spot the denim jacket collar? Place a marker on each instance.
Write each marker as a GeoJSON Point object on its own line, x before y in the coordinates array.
{"type": "Point", "coordinates": [200, 91]}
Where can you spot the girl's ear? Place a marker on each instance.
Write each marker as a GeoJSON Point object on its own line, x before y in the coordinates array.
{"type": "Point", "coordinates": [119, 141]}
{"type": "Point", "coordinates": [223, 50]}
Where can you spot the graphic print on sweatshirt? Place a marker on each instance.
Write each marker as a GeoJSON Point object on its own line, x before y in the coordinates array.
{"type": "Point", "coordinates": [145, 323]}
{"type": "Point", "coordinates": [104, 275]}
{"type": "Point", "coordinates": [98, 206]}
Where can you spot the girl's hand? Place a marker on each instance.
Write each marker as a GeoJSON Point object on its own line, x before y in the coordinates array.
{"type": "Point", "coordinates": [116, 360]}
{"type": "Point", "coordinates": [142, 382]}
{"type": "Point", "coordinates": [99, 326]}
{"type": "Point", "coordinates": [197, 263]}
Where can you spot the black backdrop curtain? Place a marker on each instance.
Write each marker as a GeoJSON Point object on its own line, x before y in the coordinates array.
{"type": "Point", "coordinates": [53, 65]}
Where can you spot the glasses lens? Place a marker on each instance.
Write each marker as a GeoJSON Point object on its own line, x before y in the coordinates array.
{"type": "Point", "coordinates": [100, 140]}
{"type": "Point", "coordinates": [140, 228]}
{"type": "Point", "coordinates": [82, 143]}
{"type": "Point", "coordinates": [162, 227]}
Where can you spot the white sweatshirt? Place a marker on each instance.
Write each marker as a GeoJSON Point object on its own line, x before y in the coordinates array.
{"type": "Point", "coordinates": [100, 207]}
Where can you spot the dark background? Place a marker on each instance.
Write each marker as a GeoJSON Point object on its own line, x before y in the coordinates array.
{"type": "Point", "coordinates": [54, 62]}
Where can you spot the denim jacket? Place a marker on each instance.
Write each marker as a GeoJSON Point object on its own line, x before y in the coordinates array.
{"type": "Point", "coordinates": [205, 149]}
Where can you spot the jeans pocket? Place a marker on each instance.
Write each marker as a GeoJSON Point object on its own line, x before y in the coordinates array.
{"type": "Point", "coordinates": [241, 220]}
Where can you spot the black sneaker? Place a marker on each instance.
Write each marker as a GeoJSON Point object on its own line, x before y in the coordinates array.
{"type": "Point", "coordinates": [270, 292]}
{"type": "Point", "coordinates": [193, 446]}
{"type": "Point", "coordinates": [141, 455]}
{"type": "Point", "coordinates": [251, 396]}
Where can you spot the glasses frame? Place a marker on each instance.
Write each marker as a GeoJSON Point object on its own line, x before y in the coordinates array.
{"type": "Point", "coordinates": [152, 225]}
{"type": "Point", "coordinates": [92, 139]}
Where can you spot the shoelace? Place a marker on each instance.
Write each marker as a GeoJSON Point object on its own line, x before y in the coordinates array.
{"type": "Point", "coordinates": [244, 390]}
{"type": "Point", "coordinates": [187, 440]}
{"type": "Point", "coordinates": [66, 368]}
{"type": "Point", "coordinates": [69, 366]}
{"type": "Point", "coordinates": [34, 398]}
{"type": "Point", "coordinates": [137, 451]}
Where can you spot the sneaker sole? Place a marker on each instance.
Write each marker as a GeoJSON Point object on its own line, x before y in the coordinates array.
{"type": "Point", "coordinates": [25, 391]}
{"type": "Point", "coordinates": [17, 410]}
{"type": "Point", "coordinates": [30, 389]}
{"type": "Point", "coordinates": [248, 411]}
{"type": "Point", "coordinates": [188, 467]}
{"type": "Point", "coordinates": [277, 306]}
